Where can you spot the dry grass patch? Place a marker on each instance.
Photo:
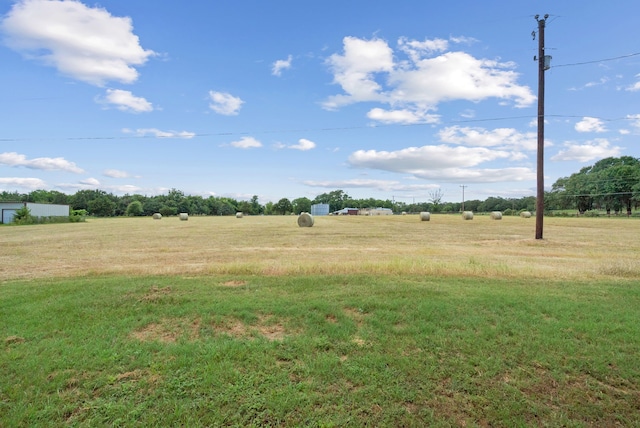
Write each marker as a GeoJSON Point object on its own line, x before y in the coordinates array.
{"type": "Point", "coordinates": [156, 293]}
{"type": "Point", "coordinates": [234, 283]}
{"type": "Point", "coordinates": [573, 248]}
{"type": "Point", "coordinates": [169, 330]}
{"type": "Point", "coordinates": [13, 339]}
{"type": "Point", "coordinates": [268, 326]}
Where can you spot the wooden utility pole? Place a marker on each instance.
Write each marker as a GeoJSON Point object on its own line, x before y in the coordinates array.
{"type": "Point", "coordinates": [463, 186]}
{"type": "Point", "coordinates": [542, 66]}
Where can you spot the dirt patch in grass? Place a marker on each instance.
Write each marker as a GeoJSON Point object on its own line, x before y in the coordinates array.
{"type": "Point", "coordinates": [234, 283]}
{"type": "Point", "coordinates": [267, 326]}
{"type": "Point", "coordinates": [332, 319]}
{"type": "Point", "coordinates": [14, 339]}
{"type": "Point", "coordinates": [169, 330]}
{"type": "Point", "coordinates": [156, 293]}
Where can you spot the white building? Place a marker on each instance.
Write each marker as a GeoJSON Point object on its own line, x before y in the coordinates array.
{"type": "Point", "coordinates": [8, 210]}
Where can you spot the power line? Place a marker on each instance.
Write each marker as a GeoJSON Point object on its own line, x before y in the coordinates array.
{"type": "Point", "coordinates": [300, 130]}
{"type": "Point", "coordinates": [597, 60]}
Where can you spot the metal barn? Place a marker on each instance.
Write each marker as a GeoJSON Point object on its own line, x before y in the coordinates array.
{"type": "Point", "coordinates": [319, 209]}
{"type": "Point", "coordinates": [8, 210]}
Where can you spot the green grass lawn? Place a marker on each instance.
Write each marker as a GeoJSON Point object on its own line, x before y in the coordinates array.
{"type": "Point", "coordinates": [319, 350]}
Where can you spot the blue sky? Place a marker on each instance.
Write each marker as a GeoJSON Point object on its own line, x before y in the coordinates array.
{"type": "Point", "coordinates": [390, 100]}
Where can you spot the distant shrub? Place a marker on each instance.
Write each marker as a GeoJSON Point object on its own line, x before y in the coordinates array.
{"type": "Point", "coordinates": [23, 216]}
{"type": "Point", "coordinates": [76, 216]}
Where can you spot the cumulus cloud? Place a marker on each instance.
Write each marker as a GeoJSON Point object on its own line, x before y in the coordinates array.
{"type": "Point", "coordinates": [126, 101]}
{"type": "Point", "coordinates": [246, 143]}
{"type": "Point", "coordinates": [599, 148]}
{"type": "Point", "coordinates": [281, 64]}
{"type": "Point", "coordinates": [85, 43]}
{"type": "Point", "coordinates": [49, 164]}
{"type": "Point", "coordinates": [635, 120]}
{"type": "Point", "coordinates": [92, 184]}
{"type": "Point", "coordinates": [402, 116]}
{"type": "Point", "coordinates": [224, 103]}
{"type": "Point", "coordinates": [115, 173]}
{"type": "Point", "coordinates": [480, 137]}
{"type": "Point", "coordinates": [442, 162]}
{"type": "Point", "coordinates": [367, 71]}
{"type": "Point", "coordinates": [154, 132]}
{"type": "Point", "coordinates": [11, 183]}
{"type": "Point", "coordinates": [303, 145]}
{"type": "Point", "coordinates": [635, 86]}
{"type": "Point", "coordinates": [590, 124]}
{"type": "Point", "coordinates": [382, 185]}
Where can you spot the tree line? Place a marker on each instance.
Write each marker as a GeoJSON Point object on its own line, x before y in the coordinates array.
{"type": "Point", "coordinates": [609, 184]}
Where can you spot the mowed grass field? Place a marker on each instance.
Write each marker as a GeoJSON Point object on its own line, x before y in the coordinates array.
{"type": "Point", "coordinates": [356, 321]}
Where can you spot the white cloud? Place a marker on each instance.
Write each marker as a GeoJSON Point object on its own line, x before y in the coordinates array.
{"type": "Point", "coordinates": [246, 143]}
{"type": "Point", "coordinates": [414, 159]}
{"type": "Point", "coordinates": [442, 163]}
{"type": "Point", "coordinates": [381, 185]}
{"type": "Point", "coordinates": [224, 103]}
{"type": "Point", "coordinates": [635, 86]}
{"type": "Point", "coordinates": [153, 132]}
{"type": "Point", "coordinates": [367, 72]}
{"type": "Point", "coordinates": [126, 101]}
{"type": "Point", "coordinates": [94, 182]}
{"type": "Point", "coordinates": [415, 49]}
{"type": "Point", "coordinates": [281, 64]}
{"type": "Point", "coordinates": [635, 120]}
{"type": "Point", "coordinates": [48, 164]}
{"type": "Point", "coordinates": [303, 145]}
{"type": "Point", "coordinates": [596, 149]}
{"type": "Point", "coordinates": [12, 183]}
{"type": "Point", "coordinates": [115, 173]}
{"type": "Point", "coordinates": [480, 137]}
{"type": "Point", "coordinates": [590, 124]}
{"type": "Point", "coordinates": [404, 116]}
{"type": "Point", "coordinates": [85, 43]}
{"type": "Point", "coordinates": [354, 71]}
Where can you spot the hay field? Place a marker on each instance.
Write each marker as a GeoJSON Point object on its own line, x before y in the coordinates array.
{"type": "Point", "coordinates": [573, 248]}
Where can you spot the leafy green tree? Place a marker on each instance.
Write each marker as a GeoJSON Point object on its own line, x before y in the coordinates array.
{"type": "Point", "coordinates": [245, 207]}
{"type": "Point", "coordinates": [256, 208]}
{"type": "Point", "coordinates": [81, 199]}
{"type": "Point", "coordinates": [283, 206]}
{"type": "Point", "coordinates": [102, 207]}
{"type": "Point", "coordinates": [336, 199]}
{"type": "Point", "coordinates": [168, 210]}
{"type": "Point", "coordinates": [135, 209]}
{"type": "Point", "coordinates": [609, 183]}
{"type": "Point", "coordinates": [301, 205]}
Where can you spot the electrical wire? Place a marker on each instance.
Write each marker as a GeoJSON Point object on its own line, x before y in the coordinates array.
{"type": "Point", "coordinates": [596, 61]}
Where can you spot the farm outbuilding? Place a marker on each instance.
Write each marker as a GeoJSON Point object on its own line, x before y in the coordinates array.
{"type": "Point", "coordinates": [378, 211]}
{"type": "Point", "coordinates": [319, 209]}
{"type": "Point", "coordinates": [347, 211]}
{"type": "Point", "coordinates": [8, 210]}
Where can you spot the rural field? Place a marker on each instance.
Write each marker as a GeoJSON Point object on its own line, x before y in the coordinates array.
{"type": "Point", "coordinates": [356, 321]}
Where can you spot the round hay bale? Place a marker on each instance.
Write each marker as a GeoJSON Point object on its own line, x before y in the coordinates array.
{"type": "Point", "coordinates": [305, 220]}
{"type": "Point", "coordinates": [184, 216]}
{"type": "Point", "coordinates": [467, 215]}
{"type": "Point", "coordinates": [496, 215]}
{"type": "Point", "coordinates": [425, 216]}
{"type": "Point", "coordinates": [157, 216]}
{"type": "Point", "coordinates": [239, 215]}
{"type": "Point", "coordinates": [525, 214]}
